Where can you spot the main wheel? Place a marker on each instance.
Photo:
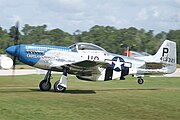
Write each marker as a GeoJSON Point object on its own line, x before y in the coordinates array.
{"type": "Point", "coordinates": [44, 85]}
{"type": "Point", "coordinates": [58, 87]}
{"type": "Point", "coordinates": [140, 81]}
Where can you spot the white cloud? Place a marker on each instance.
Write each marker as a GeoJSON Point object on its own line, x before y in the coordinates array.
{"type": "Point", "coordinates": [15, 18]}
{"type": "Point", "coordinates": [72, 2]}
{"type": "Point", "coordinates": [155, 12]}
{"type": "Point", "coordinates": [70, 15]}
{"type": "Point", "coordinates": [142, 15]}
{"type": "Point", "coordinates": [177, 2]}
{"type": "Point", "coordinates": [115, 21]}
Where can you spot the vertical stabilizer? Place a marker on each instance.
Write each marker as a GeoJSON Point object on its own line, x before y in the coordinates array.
{"type": "Point", "coordinates": [167, 55]}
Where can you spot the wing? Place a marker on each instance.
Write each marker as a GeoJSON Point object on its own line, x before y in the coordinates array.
{"type": "Point", "coordinates": [89, 64]}
{"type": "Point", "coordinates": [88, 67]}
{"type": "Point", "coordinates": [86, 70]}
{"type": "Point", "coordinates": [85, 65]}
{"type": "Point", "coordinates": [90, 70]}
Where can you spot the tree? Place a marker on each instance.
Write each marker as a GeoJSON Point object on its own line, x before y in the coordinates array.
{"type": "Point", "coordinates": [59, 37]}
{"type": "Point", "coordinates": [174, 35]}
{"type": "Point", "coordinates": [5, 40]}
{"type": "Point", "coordinates": [112, 39]}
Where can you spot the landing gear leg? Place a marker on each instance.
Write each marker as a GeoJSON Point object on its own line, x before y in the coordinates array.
{"type": "Point", "coordinates": [45, 85]}
{"type": "Point", "coordinates": [140, 80]}
{"type": "Point", "coordinates": [61, 85]}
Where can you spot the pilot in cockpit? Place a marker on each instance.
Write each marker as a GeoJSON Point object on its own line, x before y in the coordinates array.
{"type": "Point", "coordinates": [81, 47]}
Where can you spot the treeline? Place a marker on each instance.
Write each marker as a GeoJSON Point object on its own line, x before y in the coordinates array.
{"type": "Point", "coordinates": [112, 39]}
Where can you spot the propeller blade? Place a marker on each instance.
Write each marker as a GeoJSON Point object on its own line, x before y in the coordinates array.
{"type": "Point", "coordinates": [16, 38]}
{"type": "Point", "coordinates": [14, 66]}
{"type": "Point", "coordinates": [14, 63]}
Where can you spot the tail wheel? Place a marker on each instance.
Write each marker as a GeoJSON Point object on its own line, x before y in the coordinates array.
{"type": "Point", "coordinates": [44, 85]}
{"type": "Point", "coordinates": [140, 81]}
{"type": "Point", "coordinates": [58, 87]}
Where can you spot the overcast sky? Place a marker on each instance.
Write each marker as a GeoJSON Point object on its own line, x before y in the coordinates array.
{"type": "Point", "coordinates": [70, 15]}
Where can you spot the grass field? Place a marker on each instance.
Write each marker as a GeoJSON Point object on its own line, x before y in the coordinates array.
{"type": "Point", "coordinates": [156, 99]}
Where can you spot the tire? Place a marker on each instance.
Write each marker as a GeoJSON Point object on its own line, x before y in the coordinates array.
{"type": "Point", "coordinates": [140, 81]}
{"type": "Point", "coordinates": [58, 87]}
{"type": "Point", "coordinates": [44, 85]}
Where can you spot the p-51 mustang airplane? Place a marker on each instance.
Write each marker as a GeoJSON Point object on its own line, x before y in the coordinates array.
{"type": "Point", "coordinates": [91, 62]}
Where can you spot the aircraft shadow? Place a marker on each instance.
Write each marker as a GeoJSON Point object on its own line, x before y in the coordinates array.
{"type": "Point", "coordinates": [70, 91]}
{"type": "Point", "coordinates": [80, 91]}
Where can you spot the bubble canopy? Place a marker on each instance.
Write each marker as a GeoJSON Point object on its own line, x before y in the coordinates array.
{"type": "Point", "coordinates": [85, 46]}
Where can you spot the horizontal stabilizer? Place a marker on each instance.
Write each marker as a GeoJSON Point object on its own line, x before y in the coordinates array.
{"type": "Point", "coordinates": [164, 59]}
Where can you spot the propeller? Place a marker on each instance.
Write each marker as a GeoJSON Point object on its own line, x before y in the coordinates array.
{"type": "Point", "coordinates": [16, 38]}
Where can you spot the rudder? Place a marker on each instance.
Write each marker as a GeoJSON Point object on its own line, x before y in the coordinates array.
{"type": "Point", "coordinates": [167, 55]}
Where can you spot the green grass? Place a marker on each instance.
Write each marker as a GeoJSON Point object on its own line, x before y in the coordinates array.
{"type": "Point", "coordinates": [156, 99]}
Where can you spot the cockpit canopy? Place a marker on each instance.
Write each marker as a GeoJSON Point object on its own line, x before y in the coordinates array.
{"type": "Point", "coordinates": [85, 46]}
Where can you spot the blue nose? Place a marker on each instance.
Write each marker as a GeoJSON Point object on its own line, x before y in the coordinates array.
{"type": "Point", "coordinates": [12, 50]}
